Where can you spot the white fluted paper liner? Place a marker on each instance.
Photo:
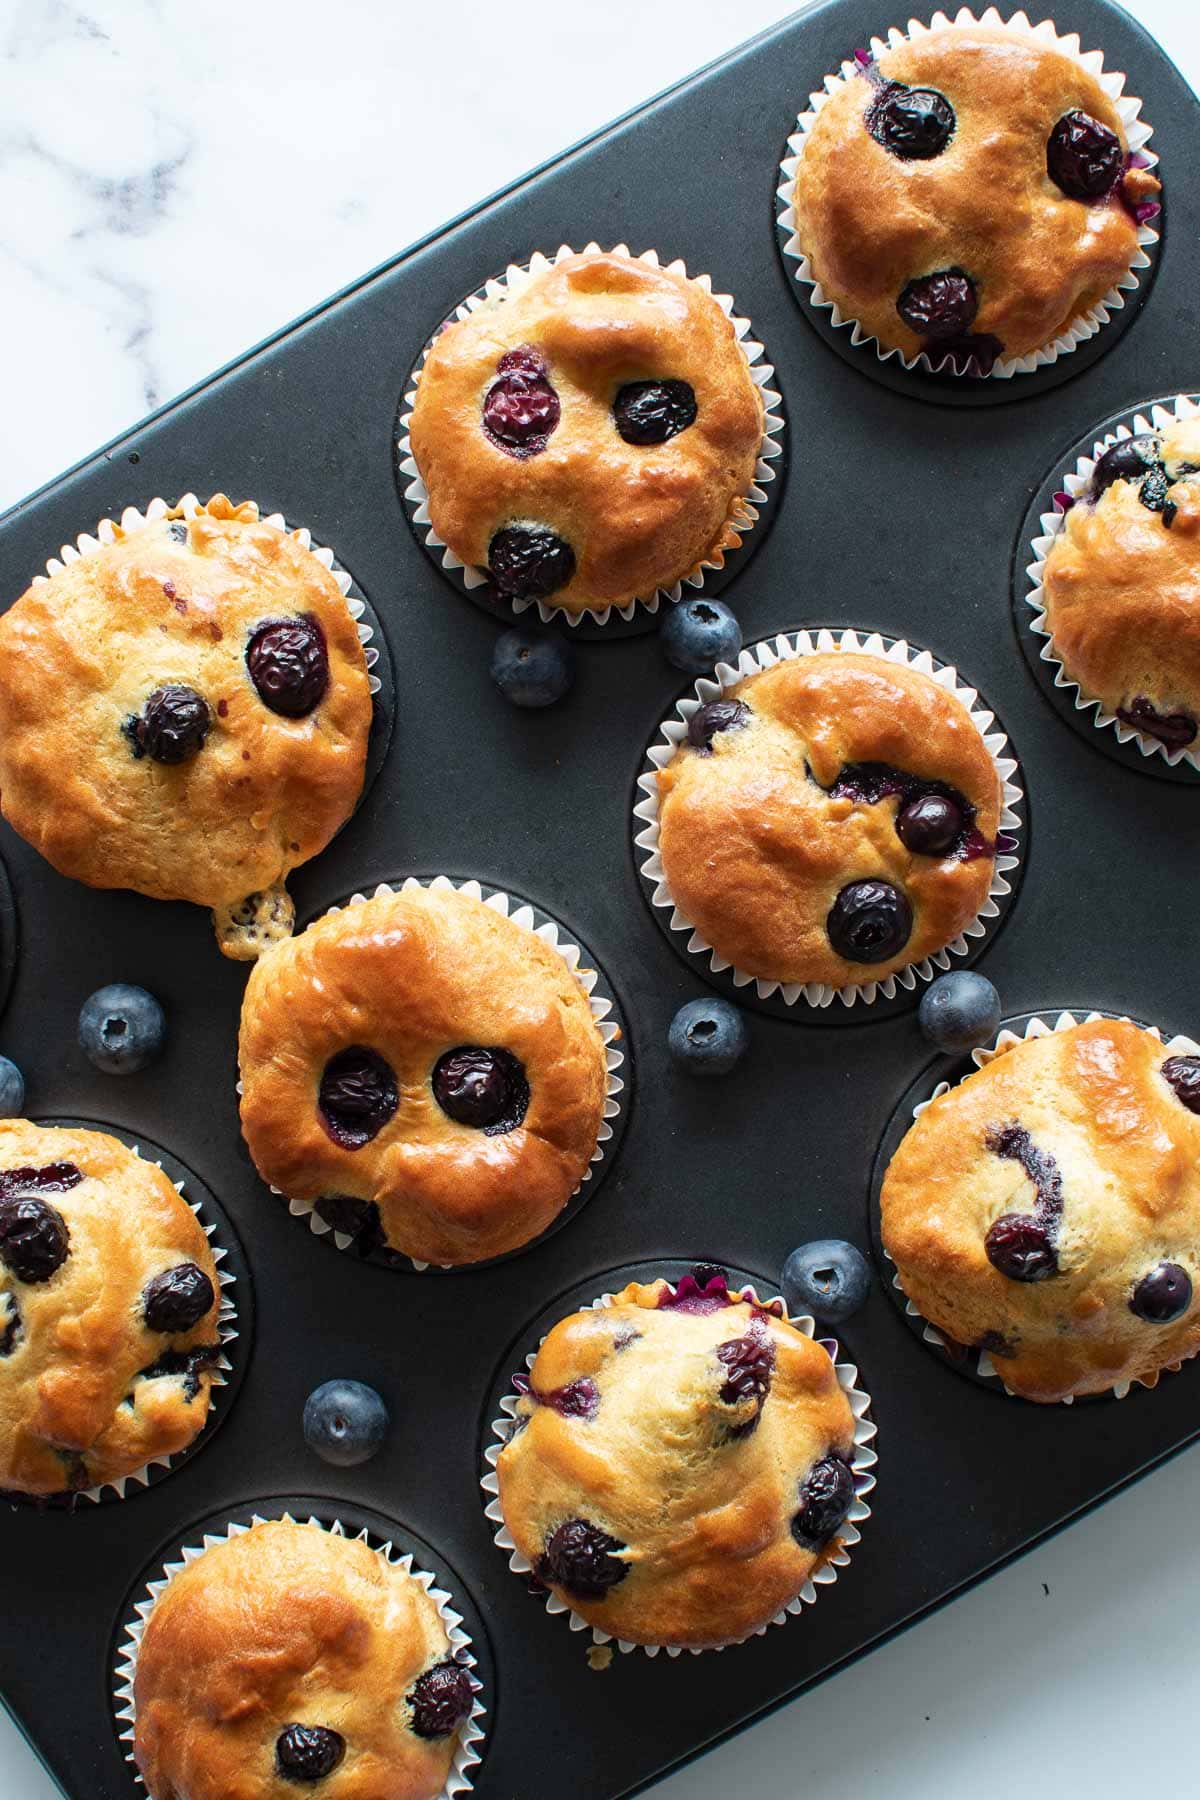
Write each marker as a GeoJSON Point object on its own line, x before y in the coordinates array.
{"type": "Point", "coordinates": [1037, 1027]}
{"type": "Point", "coordinates": [133, 520]}
{"type": "Point", "coordinates": [862, 1463]}
{"type": "Point", "coordinates": [1160, 416]}
{"type": "Point", "coordinates": [471, 1732]}
{"type": "Point", "coordinates": [601, 1003]}
{"type": "Point", "coordinates": [1137, 134]}
{"type": "Point", "coordinates": [515, 277]}
{"type": "Point", "coordinates": [752, 661]}
{"type": "Point", "coordinates": [220, 1372]}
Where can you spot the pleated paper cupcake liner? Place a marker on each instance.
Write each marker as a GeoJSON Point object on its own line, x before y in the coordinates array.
{"type": "Point", "coordinates": [133, 520]}
{"type": "Point", "coordinates": [863, 1462]}
{"type": "Point", "coordinates": [471, 1732]}
{"type": "Point", "coordinates": [1071, 483]}
{"type": "Point", "coordinates": [220, 1372]}
{"type": "Point", "coordinates": [1137, 133]}
{"type": "Point", "coordinates": [600, 999]}
{"type": "Point", "coordinates": [752, 661]}
{"type": "Point", "coordinates": [744, 512]}
{"type": "Point", "coordinates": [979, 1361]}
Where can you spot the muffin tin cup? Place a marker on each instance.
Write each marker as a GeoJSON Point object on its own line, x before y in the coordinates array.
{"type": "Point", "coordinates": [754, 659]}
{"type": "Point", "coordinates": [1137, 133]}
{"type": "Point", "coordinates": [366, 621]}
{"type": "Point", "coordinates": [863, 1463]}
{"type": "Point", "coordinates": [471, 1733]}
{"type": "Point", "coordinates": [225, 1372]}
{"type": "Point", "coordinates": [1069, 481]}
{"type": "Point", "coordinates": [744, 515]}
{"type": "Point", "coordinates": [602, 1003]}
{"type": "Point", "coordinates": [970, 1361]}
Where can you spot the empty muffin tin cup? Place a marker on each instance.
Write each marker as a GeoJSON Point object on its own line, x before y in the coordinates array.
{"type": "Point", "coordinates": [753, 660]}
{"type": "Point", "coordinates": [862, 1463]}
{"type": "Point", "coordinates": [744, 511]}
{"type": "Point", "coordinates": [1071, 484]}
{"type": "Point", "coordinates": [599, 999]}
{"type": "Point", "coordinates": [470, 1733]}
{"type": "Point", "coordinates": [1137, 134]}
{"type": "Point", "coordinates": [978, 1362]}
{"type": "Point", "coordinates": [220, 1371]}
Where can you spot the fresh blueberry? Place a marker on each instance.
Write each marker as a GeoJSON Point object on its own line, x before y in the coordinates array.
{"type": "Point", "coordinates": [531, 667]}
{"type": "Point", "coordinates": [959, 1011]}
{"type": "Point", "coordinates": [12, 1090]}
{"type": "Point", "coordinates": [698, 634]}
{"type": "Point", "coordinates": [708, 1037]}
{"type": "Point", "coordinates": [345, 1422]}
{"type": "Point", "coordinates": [121, 1028]}
{"type": "Point", "coordinates": [828, 1278]}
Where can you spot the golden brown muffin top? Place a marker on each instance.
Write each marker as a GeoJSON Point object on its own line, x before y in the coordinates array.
{"type": "Point", "coordinates": [789, 795]}
{"type": "Point", "coordinates": [426, 1070]}
{"type": "Point", "coordinates": [108, 1311]}
{"type": "Point", "coordinates": [680, 1465]}
{"type": "Point", "coordinates": [1121, 585]}
{"type": "Point", "coordinates": [984, 205]}
{"type": "Point", "coordinates": [1048, 1209]}
{"type": "Point", "coordinates": [215, 792]}
{"type": "Point", "coordinates": [289, 1648]}
{"type": "Point", "coordinates": [517, 427]}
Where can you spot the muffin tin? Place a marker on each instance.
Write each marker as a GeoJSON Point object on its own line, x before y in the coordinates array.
{"type": "Point", "coordinates": [902, 510]}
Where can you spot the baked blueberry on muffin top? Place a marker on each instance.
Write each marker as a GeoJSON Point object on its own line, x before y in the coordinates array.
{"type": "Point", "coordinates": [589, 435]}
{"type": "Point", "coordinates": [184, 710]}
{"type": "Point", "coordinates": [831, 819]}
{"type": "Point", "coordinates": [426, 1071]}
{"type": "Point", "coordinates": [1047, 1210]}
{"type": "Point", "coordinates": [109, 1300]}
{"type": "Point", "coordinates": [1121, 584]}
{"type": "Point", "coordinates": [680, 1464]}
{"type": "Point", "coordinates": [970, 194]}
{"type": "Point", "coordinates": [290, 1660]}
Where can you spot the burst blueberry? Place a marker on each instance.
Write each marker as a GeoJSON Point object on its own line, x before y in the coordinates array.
{"type": "Point", "coordinates": [121, 1028]}
{"type": "Point", "coordinates": [484, 1088]}
{"type": "Point", "coordinates": [530, 562]}
{"type": "Point", "coordinates": [717, 715]}
{"type": "Point", "coordinates": [708, 1037]}
{"type": "Point", "coordinates": [826, 1496]}
{"type": "Point", "coordinates": [177, 1299]}
{"type": "Point", "coordinates": [869, 922]}
{"type": "Point", "coordinates": [308, 1752]}
{"type": "Point", "coordinates": [288, 662]}
{"type": "Point", "coordinates": [650, 412]}
{"type": "Point", "coordinates": [172, 726]}
{"type": "Point", "coordinates": [941, 305]}
{"type": "Point", "coordinates": [583, 1559]}
{"type": "Point", "coordinates": [441, 1699]}
{"type": "Point", "coordinates": [912, 123]}
{"type": "Point", "coordinates": [1182, 1075]}
{"type": "Point", "coordinates": [357, 1096]}
{"type": "Point", "coordinates": [1084, 157]}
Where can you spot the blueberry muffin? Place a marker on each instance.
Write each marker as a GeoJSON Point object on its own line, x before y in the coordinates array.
{"type": "Point", "coordinates": [426, 1071]}
{"type": "Point", "coordinates": [589, 435]}
{"type": "Point", "coordinates": [1047, 1210]}
{"type": "Point", "coordinates": [1121, 585]}
{"type": "Point", "coordinates": [184, 711]}
{"type": "Point", "coordinates": [680, 1465]}
{"type": "Point", "coordinates": [970, 195]}
{"type": "Point", "coordinates": [831, 819]}
{"type": "Point", "coordinates": [108, 1312]}
{"type": "Point", "coordinates": [289, 1660]}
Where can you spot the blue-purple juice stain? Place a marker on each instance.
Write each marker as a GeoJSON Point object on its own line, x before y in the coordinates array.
{"type": "Point", "coordinates": [866, 784]}
{"type": "Point", "coordinates": [575, 1400]}
{"type": "Point", "coordinates": [1023, 1246]}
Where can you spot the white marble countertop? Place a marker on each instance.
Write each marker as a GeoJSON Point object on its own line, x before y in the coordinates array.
{"type": "Point", "coordinates": [175, 184]}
